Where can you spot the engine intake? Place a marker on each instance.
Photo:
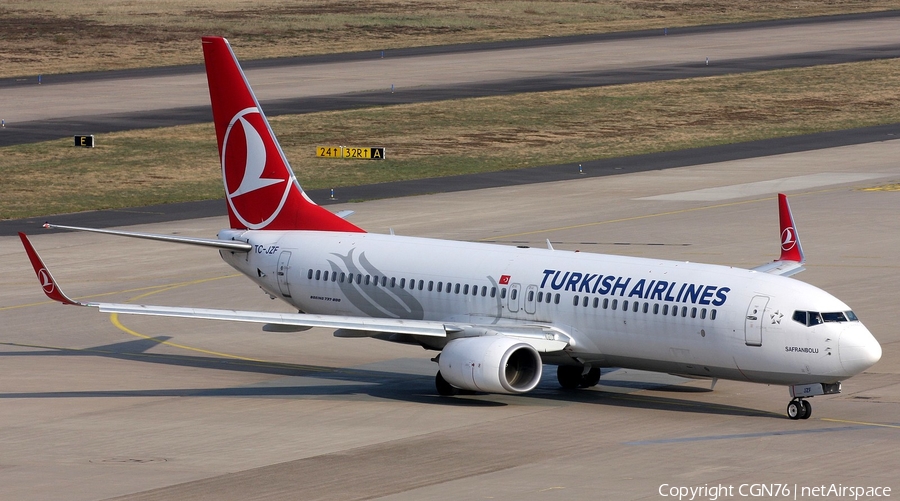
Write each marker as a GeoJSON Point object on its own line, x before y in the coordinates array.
{"type": "Point", "coordinates": [493, 364]}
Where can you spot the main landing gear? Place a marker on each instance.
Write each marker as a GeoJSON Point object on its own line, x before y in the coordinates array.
{"type": "Point", "coordinates": [575, 376]}
{"type": "Point", "coordinates": [799, 408]}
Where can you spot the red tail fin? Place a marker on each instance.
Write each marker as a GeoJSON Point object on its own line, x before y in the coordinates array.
{"type": "Point", "coordinates": [260, 187]}
{"type": "Point", "coordinates": [790, 240]}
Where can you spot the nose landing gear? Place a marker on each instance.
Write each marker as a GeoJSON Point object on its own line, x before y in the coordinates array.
{"type": "Point", "coordinates": [799, 408]}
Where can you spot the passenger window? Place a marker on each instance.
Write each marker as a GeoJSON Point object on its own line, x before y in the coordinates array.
{"type": "Point", "coordinates": [636, 306]}
{"type": "Point", "coordinates": [430, 285]}
{"type": "Point", "coordinates": [393, 281]}
{"type": "Point", "coordinates": [575, 301]}
{"type": "Point", "coordinates": [334, 276]}
{"type": "Point", "coordinates": [456, 289]}
{"type": "Point", "coordinates": [368, 277]}
{"type": "Point", "coordinates": [712, 314]}
{"type": "Point", "coordinates": [502, 293]}
{"type": "Point", "coordinates": [547, 299]}
{"type": "Point", "coordinates": [484, 291]}
{"type": "Point", "coordinates": [325, 276]}
{"type": "Point", "coordinates": [702, 313]}
{"type": "Point", "coordinates": [683, 311]}
{"type": "Point", "coordinates": [466, 290]}
{"type": "Point", "coordinates": [402, 283]}
{"type": "Point", "coordinates": [693, 312]}
{"type": "Point", "coordinates": [309, 275]}
{"type": "Point", "coordinates": [656, 309]}
{"type": "Point", "coordinates": [514, 294]}
{"type": "Point", "coordinates": [342, 278]}
{"type": "Point", "coordinates": [665, 309]}
{"type": "Point", "coordinates": [474, 290]}
{"type": "Point", "coordinates": [493, 292]}
{"type": "Point", "coordinates": [605, 303]}
{"type": "Point", "coordinates": [596, 302]}
{"type": "Point", "coordinates": [421, 284]}
{"type": "Point", "coordinates": [646, 307]}
{"type": "Point", "coordinates": [615, 303]}
{"type": "Point", "coordinates": [556, 299]}
{"type": "Point", "coordinates": [625, 305]}
{"type": "Point", "coordinates": [530, 296]}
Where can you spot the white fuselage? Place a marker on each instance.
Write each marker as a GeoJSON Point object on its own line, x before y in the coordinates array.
{"type": "Point", "coordinates": [677, 317]}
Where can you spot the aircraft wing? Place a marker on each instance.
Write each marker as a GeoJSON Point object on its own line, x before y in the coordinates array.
{"type": "Point", "coordinates": [543, 338]}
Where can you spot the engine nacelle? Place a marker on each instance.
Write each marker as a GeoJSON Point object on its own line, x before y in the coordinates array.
{"type": "Point", "coordinates": [493, 364]}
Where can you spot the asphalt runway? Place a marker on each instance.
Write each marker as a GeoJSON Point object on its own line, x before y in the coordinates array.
{"type": "Point", "coordinates": [98, 407]}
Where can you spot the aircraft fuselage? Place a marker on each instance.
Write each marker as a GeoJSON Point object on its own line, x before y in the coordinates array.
{"type": "Point", "coordinates": [668, 316]}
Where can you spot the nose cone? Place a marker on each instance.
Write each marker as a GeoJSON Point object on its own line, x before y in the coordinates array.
{"type": "Point", "coordinates": [858, 349]}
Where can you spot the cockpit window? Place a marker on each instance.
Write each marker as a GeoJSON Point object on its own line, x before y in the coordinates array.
{"type": "Point", "coordinates": [810, 318]}
{"type": "Point", "coordinates": [834, 317]}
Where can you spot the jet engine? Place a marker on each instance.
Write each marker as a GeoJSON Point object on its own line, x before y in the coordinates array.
{"type": "Point", "coordinates": [493, 364]}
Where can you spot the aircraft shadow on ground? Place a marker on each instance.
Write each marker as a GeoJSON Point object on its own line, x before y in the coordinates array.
{"type": "Point", "coordinates": [321, 382]}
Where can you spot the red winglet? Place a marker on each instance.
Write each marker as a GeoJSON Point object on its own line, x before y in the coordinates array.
{"type": "Point", "coordinates": [47, 282]}
{"type": "Point", "coordinates": [790, 239]}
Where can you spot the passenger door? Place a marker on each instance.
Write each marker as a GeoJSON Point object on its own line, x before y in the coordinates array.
{"type": "Point", "coordinates": [753, 325]}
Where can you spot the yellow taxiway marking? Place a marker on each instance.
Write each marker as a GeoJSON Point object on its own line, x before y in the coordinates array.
{"type": "Point", "coordinates": [127, 291]}
{"type": "Point", "coordinates": [863, 423]}
{"type": "Point", "coordinates": [114, 318]}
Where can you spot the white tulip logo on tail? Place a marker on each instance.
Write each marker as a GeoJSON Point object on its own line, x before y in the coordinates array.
{"type": "Point", "coordinates": [788, 241]}
{"type": "Point", "coordinates": [256, 188]}
{"type": "Point", "coordinates": [46, 281]}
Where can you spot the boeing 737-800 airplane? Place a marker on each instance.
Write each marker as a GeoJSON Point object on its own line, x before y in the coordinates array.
{"type": "Point", "coordinates": [496, 313]}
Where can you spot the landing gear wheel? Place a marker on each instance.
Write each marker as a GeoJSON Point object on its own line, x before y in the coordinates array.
{"type": "Point", "coordinates": [590, 379]}
{"type": "Point", "coordinates": [807, 409]}
{"type": "Point", "coordinates": [795, 409]}
{"type": "Point", "coordinates": [444, 388]}
{"type": "Point", "coordinates": [569, 376]}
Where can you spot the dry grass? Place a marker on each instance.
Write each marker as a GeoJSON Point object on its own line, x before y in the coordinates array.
{"type": "Point", "coordinates": [473, 135]}
{"type": "Point", "coordinates": [60, 36]}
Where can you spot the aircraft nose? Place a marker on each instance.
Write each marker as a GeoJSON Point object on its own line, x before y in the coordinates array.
{"type": "Point", "coordinates": [858, 349]}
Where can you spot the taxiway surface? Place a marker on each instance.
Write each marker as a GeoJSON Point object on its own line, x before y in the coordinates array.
{"type": "Point", "coordinates": [97, 407]}
{"type": "Point", "coordinates": [98, 103]}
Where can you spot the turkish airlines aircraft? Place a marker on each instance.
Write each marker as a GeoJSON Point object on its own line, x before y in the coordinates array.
{"type": "Point", "coordinates": [498, 313]}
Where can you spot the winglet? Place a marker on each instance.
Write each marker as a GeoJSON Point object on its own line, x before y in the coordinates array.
{"type": "Point", "coordinates": [790, 239]}
{"type": "Point", "coordinates": [51, 289]}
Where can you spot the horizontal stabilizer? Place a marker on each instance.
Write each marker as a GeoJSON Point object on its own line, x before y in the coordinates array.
{"type": "Point", "coordinates": [203, 242]}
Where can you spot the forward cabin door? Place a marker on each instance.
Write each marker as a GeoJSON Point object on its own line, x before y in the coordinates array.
{"type": "Point", "coordinates": [753, 326]}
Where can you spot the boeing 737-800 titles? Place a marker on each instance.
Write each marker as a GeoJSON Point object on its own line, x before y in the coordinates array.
{"type": "Point", "coordinates": [496, 313]}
